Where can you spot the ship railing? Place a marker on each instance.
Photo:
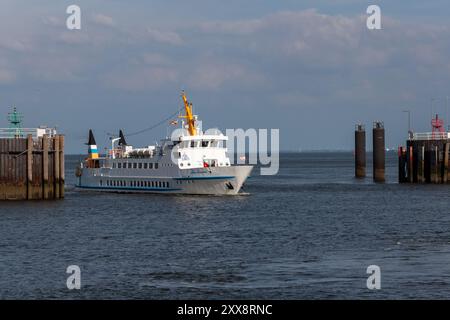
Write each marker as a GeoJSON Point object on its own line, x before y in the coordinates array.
{"type": "Point", "coordinates": [431, 136]}
{"type": "Point", "coordinates": [8, 133]}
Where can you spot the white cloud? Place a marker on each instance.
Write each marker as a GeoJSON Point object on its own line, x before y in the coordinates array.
{"type": "Point", "coordinates": [74, 37]}
{"type": "Point", "coordinates": [103, 20]}
{"type": "Point", "coordinates": [53, 21]}
{"type": "Point", "coordinates": [149, 78]}
{"type": "Point", "coordinates": [155, 59]}
{"type": "Point", "coordinates": [166, 37]}
{"type": "Point", "coordinates": [245, 27]}
{"type": "Point", "coordinates": [280, 52]}
{"type": "Point", "coordinates": [52, 67]}
{"type": "Point", "coordinates": [209, 75]}
{"type": "Point", "coordinates": [14, 44]}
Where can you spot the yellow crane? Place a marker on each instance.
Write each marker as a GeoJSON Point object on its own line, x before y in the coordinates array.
{"type": "Point", "coordinates": [189, 116]}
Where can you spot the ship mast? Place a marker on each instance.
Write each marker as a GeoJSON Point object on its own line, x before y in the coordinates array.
{"type": "Point", "coordinates": [189, 116]}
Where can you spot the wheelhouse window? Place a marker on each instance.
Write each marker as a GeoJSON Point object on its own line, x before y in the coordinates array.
{"type": "Point", "coordinates": [140, 165]}
{"type": "Point", "coordinates": [205, 143]}
{"type": "Point", "coordinates": [156, 165]}
{"type": "Point", "coordinates": [145, 165]}
{"type": "Point", "coordinates": [119, 165]}
{"type": "Point", "coordinates": [134, 165]}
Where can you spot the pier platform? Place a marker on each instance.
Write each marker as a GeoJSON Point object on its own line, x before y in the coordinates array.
{"type": "Point", "coordinates": [31, 164]}
{"type": "Point", "coordinates": [425, 159]}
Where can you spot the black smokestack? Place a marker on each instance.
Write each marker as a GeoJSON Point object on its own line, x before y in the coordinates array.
{"type": "Point", "coordinates": [122, 141]}
{"type": "Point", "coordinates": [91, 138]}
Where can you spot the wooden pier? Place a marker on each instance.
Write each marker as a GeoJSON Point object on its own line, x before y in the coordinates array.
{"type": "Point", "coordinates": [425, 159]}
{"type": "Point", "coordinates": [32, 166]}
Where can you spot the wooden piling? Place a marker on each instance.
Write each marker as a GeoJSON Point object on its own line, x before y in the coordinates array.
{"type": "Point", "coordinates": [45, 183]}
{"type": "Point", "coordinates": [378, 152]}
{"type": "Point", "coordinates": [437, 165]}
{"type": "Point", "coordinates": [29, 167]}
{"type": "Point", "coordinates": [61, 167]}
{"type": "Point", "coordinates": [56, 167]}
{"type": "Point", "coordinates": [420, 165]}
{"type": "Point", "coordinates": [446, 151]}
{"type": "Point", "coordinates": [410, 165]}
{"type": "Point", "coordinates": [434, 165]}
{"type": "Point", "coordinates": [440, 164]}
{"type": "Point", "coordinates": [401, 165]}
{"type": "Point", "coordinates": [360, 151]}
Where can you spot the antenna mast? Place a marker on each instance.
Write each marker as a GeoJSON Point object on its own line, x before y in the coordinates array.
{"type": "Point", "coordinates": [15, 123]}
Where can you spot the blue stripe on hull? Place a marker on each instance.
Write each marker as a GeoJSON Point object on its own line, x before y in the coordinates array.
{"type": "Point", "coordinates": [128, 188]}
{"type": "Point", "coordinates": [206, 178]}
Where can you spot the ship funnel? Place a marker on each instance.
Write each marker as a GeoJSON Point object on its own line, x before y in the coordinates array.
{"type": "Point", "coordinates": [91, 138]}
{"type": "Point", "coordinates": [92, 146]}
{"type": "Point", "coordinates": [122, 141]}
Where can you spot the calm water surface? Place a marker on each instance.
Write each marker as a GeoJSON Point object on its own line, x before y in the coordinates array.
{"type": "Point", "coordinates": [309, 232]}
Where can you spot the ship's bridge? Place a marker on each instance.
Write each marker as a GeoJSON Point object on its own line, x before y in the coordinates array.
{"type": "Point", "coordinates": [201, 151]}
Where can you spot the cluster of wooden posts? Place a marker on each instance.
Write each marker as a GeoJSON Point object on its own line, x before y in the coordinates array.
{"type": "Point", "coordinates": [32, 168]}
{"type": "Point", "coordinates": [424, 161]}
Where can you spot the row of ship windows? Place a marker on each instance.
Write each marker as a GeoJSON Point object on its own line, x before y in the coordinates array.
{"type": "Point", "coordinates": [202, 143]}
{"type": "Point", "coordinates": [142, 184]}
{"type": "Point", "coordinates": [138, 165]}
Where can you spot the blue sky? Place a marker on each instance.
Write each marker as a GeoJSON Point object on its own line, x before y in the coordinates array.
{"type": "Point", "coordinates": [309, 68]}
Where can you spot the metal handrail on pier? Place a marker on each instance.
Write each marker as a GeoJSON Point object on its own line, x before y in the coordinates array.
{"type": "Point", "coordinates": [430, 136]}
{"type": "Point", "coordinates": [9, 133]}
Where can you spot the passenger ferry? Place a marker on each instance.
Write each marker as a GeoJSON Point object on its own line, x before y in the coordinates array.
{"type": "Point", "coordinates": [190, 162]}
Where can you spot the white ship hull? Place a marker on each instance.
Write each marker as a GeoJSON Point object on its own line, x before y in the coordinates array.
{"type": "Point", "coordinates": [203, 181]}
